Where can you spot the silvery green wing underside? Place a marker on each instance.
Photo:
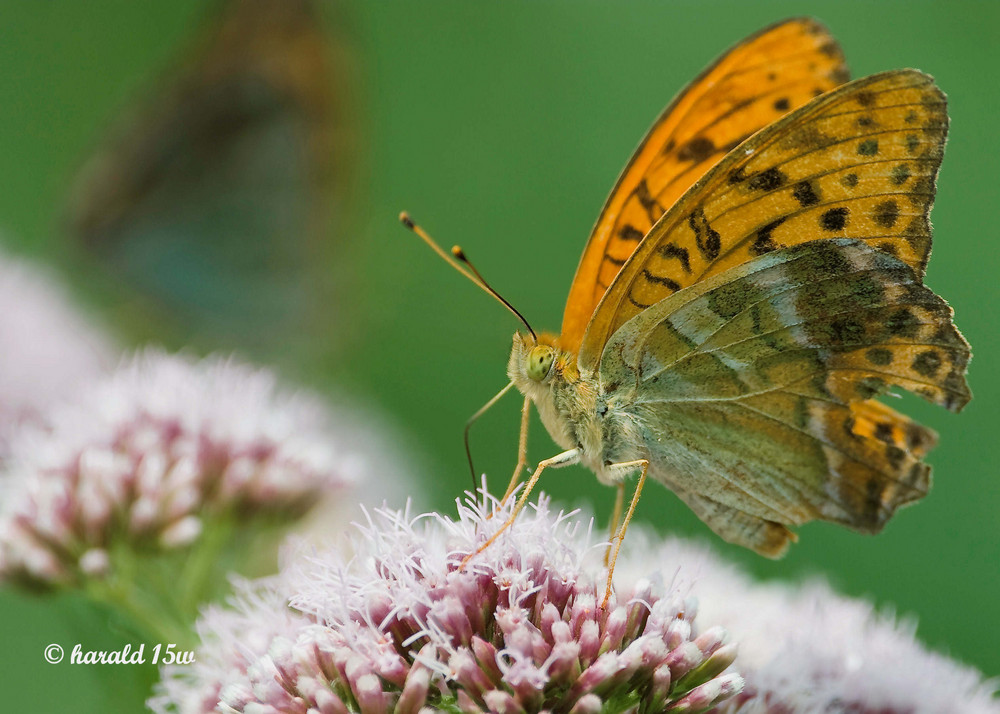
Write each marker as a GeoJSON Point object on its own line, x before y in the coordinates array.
{"type": "Point", "coordinates": [755, 389]}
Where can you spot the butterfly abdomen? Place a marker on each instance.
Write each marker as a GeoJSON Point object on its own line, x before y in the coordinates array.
{"type": "Point", "coordinates": [621, 428]}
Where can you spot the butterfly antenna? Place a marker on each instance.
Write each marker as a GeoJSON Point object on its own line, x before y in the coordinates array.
{"type": "Point", "coordinates": [463, 258]}
{"type": "Point", "coordinates": [458, 261]}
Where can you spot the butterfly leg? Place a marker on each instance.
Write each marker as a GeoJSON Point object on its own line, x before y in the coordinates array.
{"type": "Point", "coordinates": [522, 450]}
{"type": "Point", "coordinates": [616, 516]}
{"type": "Point", "coordinates": [566, 458]}
{"type": "Point", "coordinates": [620, 536]}
{"type": "Point", "coordinates": [472, 420]}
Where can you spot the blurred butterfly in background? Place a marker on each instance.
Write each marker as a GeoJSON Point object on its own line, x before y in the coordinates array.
{"type": "Point", "coordinates": [215, 198]}
{"type": "Point", "coordinates": [753, 282]}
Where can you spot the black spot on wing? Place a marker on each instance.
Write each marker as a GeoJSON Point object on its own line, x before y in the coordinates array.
{"type": "Point", "coordinates": [927, 363]}
{"type": "Point", "coordinates": [707, 239]}
{"type": "Point", "coordinates": [883, 432]}
{"type": "Point", "coordinates": [636, 303]}
{"type": "Point", "coordinates": [805, 193]}
{"type": "Point", "coordinates": [900, 174]}
{"type": "Point", "coordinates": [661, 280]}
{"type": "Point", "coordinates": [895, 455]}
{"type": "Point", "coordinates": [767, 180]}
{"type": "Point", "coordinates": [868, 147]}
{"type": "Point", "coordinates": [879, 356]}
{"type": "Point", "coordinates": [830, 49]}
{"type": "Point", "coordinates": [837, 333]}
{"type": "Point", "coordinates": [903, 323]}
{"type": "Point", "coordinates": [834, 220]}
{"type": "Point", "coordinates": [871, 515]}
{"type": "Point", "coordinates": [697, 149]}
{"type": "Point", "coordinates": [763, 242]}
{"type": "Point", "coordinates": [738, 175]}
{"type": "Point", "coordinates": [916, 436]}
{"type": "Point", "coordinates": [631, 233]}
{"type": "Point", "coordinates": [869, 387]}
{"type": "Point", "coordinates": [653, 208]}
{"type": "Point", "coordinates": [672, 251]}
{"type": "Point", "coordinates": [886, 214]}
{"type": "Point", "coordinates": [840, 74]}
{"type": "Point", "coordinates": [889, 247]}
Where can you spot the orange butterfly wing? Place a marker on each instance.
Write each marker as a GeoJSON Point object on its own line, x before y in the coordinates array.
{"type": "Point", "coordinates": [859, 162]}
{"type": "Point", "coordinates": [765, 76]}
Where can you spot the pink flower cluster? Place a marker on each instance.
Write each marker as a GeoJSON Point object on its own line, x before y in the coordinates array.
{"type": "Point", "coordinates": [398, 627]}
{"type": "Point", "coordinates": [151, 455]}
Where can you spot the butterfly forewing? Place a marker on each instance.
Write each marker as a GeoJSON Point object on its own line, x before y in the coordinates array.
{"type": "Point", "coordinates": [753, 383]}
{"type": "Point", "coordinates": [764, 77]}
{"type": "Point", "coordinates": [859, 162]}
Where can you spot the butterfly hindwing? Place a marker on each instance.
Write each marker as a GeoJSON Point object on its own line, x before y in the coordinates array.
{"type": "Point", "coordinates": [756, 82]}
{"type": "Point", "coordinates": [859, 162]}
{"type": "Point", "coordinates": [759, 534]}
{"type": "Point", "coordinates": [755, 384]}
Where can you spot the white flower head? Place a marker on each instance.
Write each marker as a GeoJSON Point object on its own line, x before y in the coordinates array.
{"type": "Point", "coordinates": [232, 639]}
{"type": "Point", "coordinates": [805, 649]}
{"type": "Point", "coordinates": [153, 455]}
{"type": "Point", "coordinates": [400, 627]}
{"type": "Point", "coordinates": [50, 348]}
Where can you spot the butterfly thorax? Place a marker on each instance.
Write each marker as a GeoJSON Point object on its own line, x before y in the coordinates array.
{"type": "Point", "coordinates": [576, 409]}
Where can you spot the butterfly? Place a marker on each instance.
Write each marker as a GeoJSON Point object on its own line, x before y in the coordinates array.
{"type": "Point", "coordinates": [751, 286]}
{"type": "Point", "coordinates": [212, 197]}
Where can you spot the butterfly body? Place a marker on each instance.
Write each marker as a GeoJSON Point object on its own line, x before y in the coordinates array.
{"type": "Point", "coordinates": [752, 285]}
{"type": "Point", "coordinates": [578, 409]}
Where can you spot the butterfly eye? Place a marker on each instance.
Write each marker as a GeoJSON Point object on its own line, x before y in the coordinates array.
{"type": "Point", "coordinates": [540, 362]}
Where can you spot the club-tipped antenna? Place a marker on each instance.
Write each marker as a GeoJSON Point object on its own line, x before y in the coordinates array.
{"type": "Point", "coordinates": [463, 258]}
{"type": "Point", "coordinates": [460, 262]}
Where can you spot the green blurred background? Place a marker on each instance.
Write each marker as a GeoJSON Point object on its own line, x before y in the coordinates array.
{"type": "Point", "coordinates": [501, 127]}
